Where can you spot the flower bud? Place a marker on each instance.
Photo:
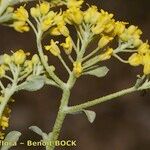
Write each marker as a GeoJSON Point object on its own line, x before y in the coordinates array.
{"type": "Point", "coordinates": [144, 48]}
{"type": "Point", "coordinates": [135, 59]}
{"type": "Point", "coordinates": [137, 42]}
{"type": "Point", "coordinates": [21, 14]}
{"type": "Point", "coordinates": [6, 59]}
{"type": "Point", "coordinates": [19, 57]}
{"type": "Point", "coordinates": [35, 59]}
{"type": "Point", "coordinates": [119, 28]}
{"type": "Point", "coordinates": [44, 8]}
{"type": "Point", "coordinates": [67, 46]}
{"type": "Point", "coordinates": [106, 55]}
{"type": "Point", "coordinates": [35, 12]}
{"type": "Point", "coordinates": [77, 69]}
{"type": "Point", "coordinates": [132, 29]}
{"type": "Point", "coordinates": [104, 41]}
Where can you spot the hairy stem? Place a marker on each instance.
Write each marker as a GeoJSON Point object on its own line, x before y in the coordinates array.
{"type": "Point", "coordinates": [60, 119]}
{"type": "Point", "coordinates": [100, 100]}
{"type": "Point", "coordinates": [61, 113]}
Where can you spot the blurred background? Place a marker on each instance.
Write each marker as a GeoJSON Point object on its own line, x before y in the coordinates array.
{"type": "Point", "coordinates": [122, 124]}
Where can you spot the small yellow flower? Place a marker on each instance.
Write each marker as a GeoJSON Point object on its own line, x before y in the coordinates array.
{"type": "Point", "coordinates": [77, 69]}
{"type": "Point", "coordinates": [7, 59]}
{"type": "Point", "coordinates": [146, 59]}
{"type": "Point", "coordinates": [106, 55]}
{"type": "Point", "coordinates": [59, 18]}
{"type": "Point", "coordinates": [48, 21]}
{"type": "Point", "coordinates": [137, 42]}
{"type": "Point", "coordinates": [99, 28]}
{"type": "Point", "coordinates": [74, 3]}
{"type": "Point", "coordinates": [21, 14]}
{"type": "Point", "coordinates": [73, 15]}
{"type": "Point", "coordinates": [21, 26]}
{"type": "Point", "coordinates": [135, 59]}
{"type": "Point", "coordinates": [104, 41]}
{"type": "Point", "coordinates": [119, 28]}
{"type": "Point", "coordinates": [104, 23]}
{"type": "Point", "coordinates": [144, 48]}
{"type": "Point", "coordinates": [68, 45]}
{"type": "Point", "coordinates": [63, 30]}
{"type": "Point", "coordinates": [19, 57]}
{"type": "Point", "coordinates": [59, 30]}
{"type": "Point", "coordinates": [2, 71]}
{"type": "Point", "coordinates": [55, 31]}
{"type": "Point", "coordinates": [109, 27]}
{"type": "Point", "coordinates": [132, 29]}
{"type": "Point", "coordinates": [91, 15]}
{"type": "Point", "coordinates": [53, 48]}
{"type": "Point", "coordinates": [44, 8]}
{"type": "Point", "coordinates": [35, 12]}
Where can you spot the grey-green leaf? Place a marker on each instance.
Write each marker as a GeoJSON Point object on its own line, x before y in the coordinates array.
{"type": "Point", "coordinates": [91, 115]}
{"type": "Point", "coordinates": [98, 72]}
{"type": "Point", "coordinates": [12, 137]}
{"type": "Point", "coordinates": [38, 131]}
{"type": "Point", "coordinates": [33, 83]}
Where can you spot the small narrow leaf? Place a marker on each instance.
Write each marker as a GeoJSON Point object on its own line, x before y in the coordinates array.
{"type": "Point", "coordinates": [92, 68]}
{"type": "Point", "coordinates": [98, 72]}
{"type": "Point", "coordinates": [38, 131]}
{"type": "Point", "coordinates": [33, 83]}
{"type": "Point", "coordinates": [12, 138]}
{"type": "Point", "coordinates": [91, 115]}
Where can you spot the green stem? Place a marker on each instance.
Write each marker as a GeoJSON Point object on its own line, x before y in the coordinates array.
{"type": "Point", "coordinates": [100, 100]}
{"type": "Point", "coordinates": [61, 113]}
{"type": "Point", "coordinates": [60, 118]}
{"type": "Point", "coordinates": [91, 54]}
{"type": "Point", "coordinates": [64, 64]}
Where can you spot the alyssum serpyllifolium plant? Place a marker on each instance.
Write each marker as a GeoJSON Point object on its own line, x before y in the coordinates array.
{"type": "Point", "coordinates": [32, 74]}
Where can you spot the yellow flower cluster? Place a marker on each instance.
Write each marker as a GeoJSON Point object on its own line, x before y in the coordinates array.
{"type": "Point", "coordinates": [92, 20]}
{"type": "Point", "coordinates": [20, 17]}
{"type": "Point", "coordinates": [132, 33]}
{"type": "Point", "coordinates": [48, 19]}
{"type": "Point", "coordinates": [4, 121]}
{"type": "Point", "coordinates": [101, 22]}
{"type": "Point", "coordinates": [142, 57]}
{"type": "Point", "coordinates": [18, 58]}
